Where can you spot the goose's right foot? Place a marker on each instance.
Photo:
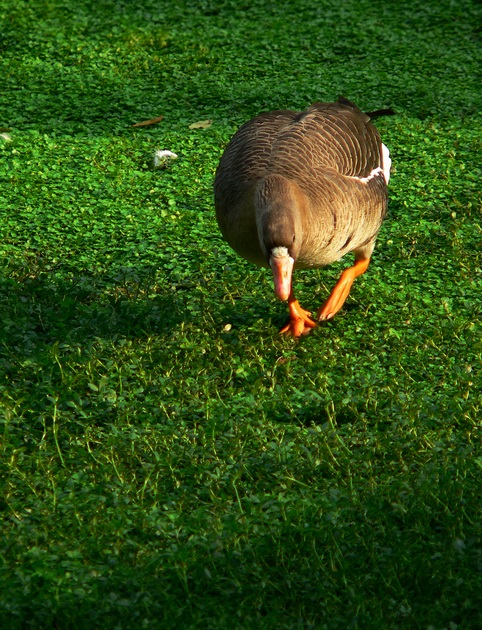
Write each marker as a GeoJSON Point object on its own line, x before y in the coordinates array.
{"type": "Point", "coordinates": [300, 322]}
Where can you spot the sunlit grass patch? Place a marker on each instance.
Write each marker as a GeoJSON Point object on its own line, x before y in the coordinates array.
{"type": "Point", "coordinates": [167, 459]}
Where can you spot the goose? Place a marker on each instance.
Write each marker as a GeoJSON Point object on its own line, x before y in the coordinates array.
{"type": "Point", "coordinates": [299, 190]}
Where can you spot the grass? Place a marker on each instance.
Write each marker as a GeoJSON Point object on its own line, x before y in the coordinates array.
{"type": "Point", "coordinates": [167, 459]}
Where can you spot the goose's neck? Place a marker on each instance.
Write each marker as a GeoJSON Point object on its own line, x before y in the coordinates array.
{"type": "Point", "coordinates": [281, 209]}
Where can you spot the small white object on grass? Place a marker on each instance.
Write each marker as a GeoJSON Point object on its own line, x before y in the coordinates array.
{"type": "Point", "coordinates": [6, 136]}
{"type": "Point", "coordinates": [161, 158]}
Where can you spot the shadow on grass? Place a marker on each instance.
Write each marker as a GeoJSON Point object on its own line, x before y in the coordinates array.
{"type": "Point", "coordinates": [45, 310]}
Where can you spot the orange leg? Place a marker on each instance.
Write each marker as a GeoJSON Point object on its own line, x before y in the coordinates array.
{"type": "Point", "coordinates": [342, 288]}
{"type": "Point", "coordinates": [300, 322]}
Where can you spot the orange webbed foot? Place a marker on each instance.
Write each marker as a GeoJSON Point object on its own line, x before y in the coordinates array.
{"type": "Point", "coordinates": [299, 323]}
{"type": "Point", "coordinates": [334, 303]}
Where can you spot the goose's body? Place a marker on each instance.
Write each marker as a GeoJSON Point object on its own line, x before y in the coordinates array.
{"type": "Point", "coordinates": [302, 189]}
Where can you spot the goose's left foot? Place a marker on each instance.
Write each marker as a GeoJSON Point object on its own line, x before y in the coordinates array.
{"type": "Point", "coordinates": [342, 288]}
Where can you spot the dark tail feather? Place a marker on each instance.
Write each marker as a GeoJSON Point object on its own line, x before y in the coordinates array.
{"type": "Point", "coordinates": [381, 112]}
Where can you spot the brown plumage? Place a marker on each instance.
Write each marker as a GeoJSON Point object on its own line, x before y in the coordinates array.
{"type": "Point", "coordinates": [302, 189]}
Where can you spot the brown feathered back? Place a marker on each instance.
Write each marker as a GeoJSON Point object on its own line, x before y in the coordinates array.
{"type": "Point", "coordinates": [333, 156]}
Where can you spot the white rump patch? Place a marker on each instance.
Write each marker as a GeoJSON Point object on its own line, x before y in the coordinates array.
{"type": "Point", "coordinates": [374, 173]}
{"type": "Point", "coordinates": [384, 169]}
{"type": "Point", "coordinates": [386, 163]}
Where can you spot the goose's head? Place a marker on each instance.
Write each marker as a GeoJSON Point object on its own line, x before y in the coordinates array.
{"type": "Point", "coordinates": [280, 233]}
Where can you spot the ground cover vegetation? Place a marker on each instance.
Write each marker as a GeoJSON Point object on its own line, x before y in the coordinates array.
{"type": "Point", "coordinates": [167, 459]}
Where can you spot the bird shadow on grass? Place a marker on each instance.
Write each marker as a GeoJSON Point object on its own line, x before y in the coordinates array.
{"type": "Point", "coordinates": [42, 310]}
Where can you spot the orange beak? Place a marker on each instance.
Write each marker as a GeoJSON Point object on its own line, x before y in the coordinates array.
{"type": "Point", "coordinates": [282, 267]}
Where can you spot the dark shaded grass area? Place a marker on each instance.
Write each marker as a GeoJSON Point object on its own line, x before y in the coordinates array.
{"type": "Point", "coordinates": [167, 460]}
